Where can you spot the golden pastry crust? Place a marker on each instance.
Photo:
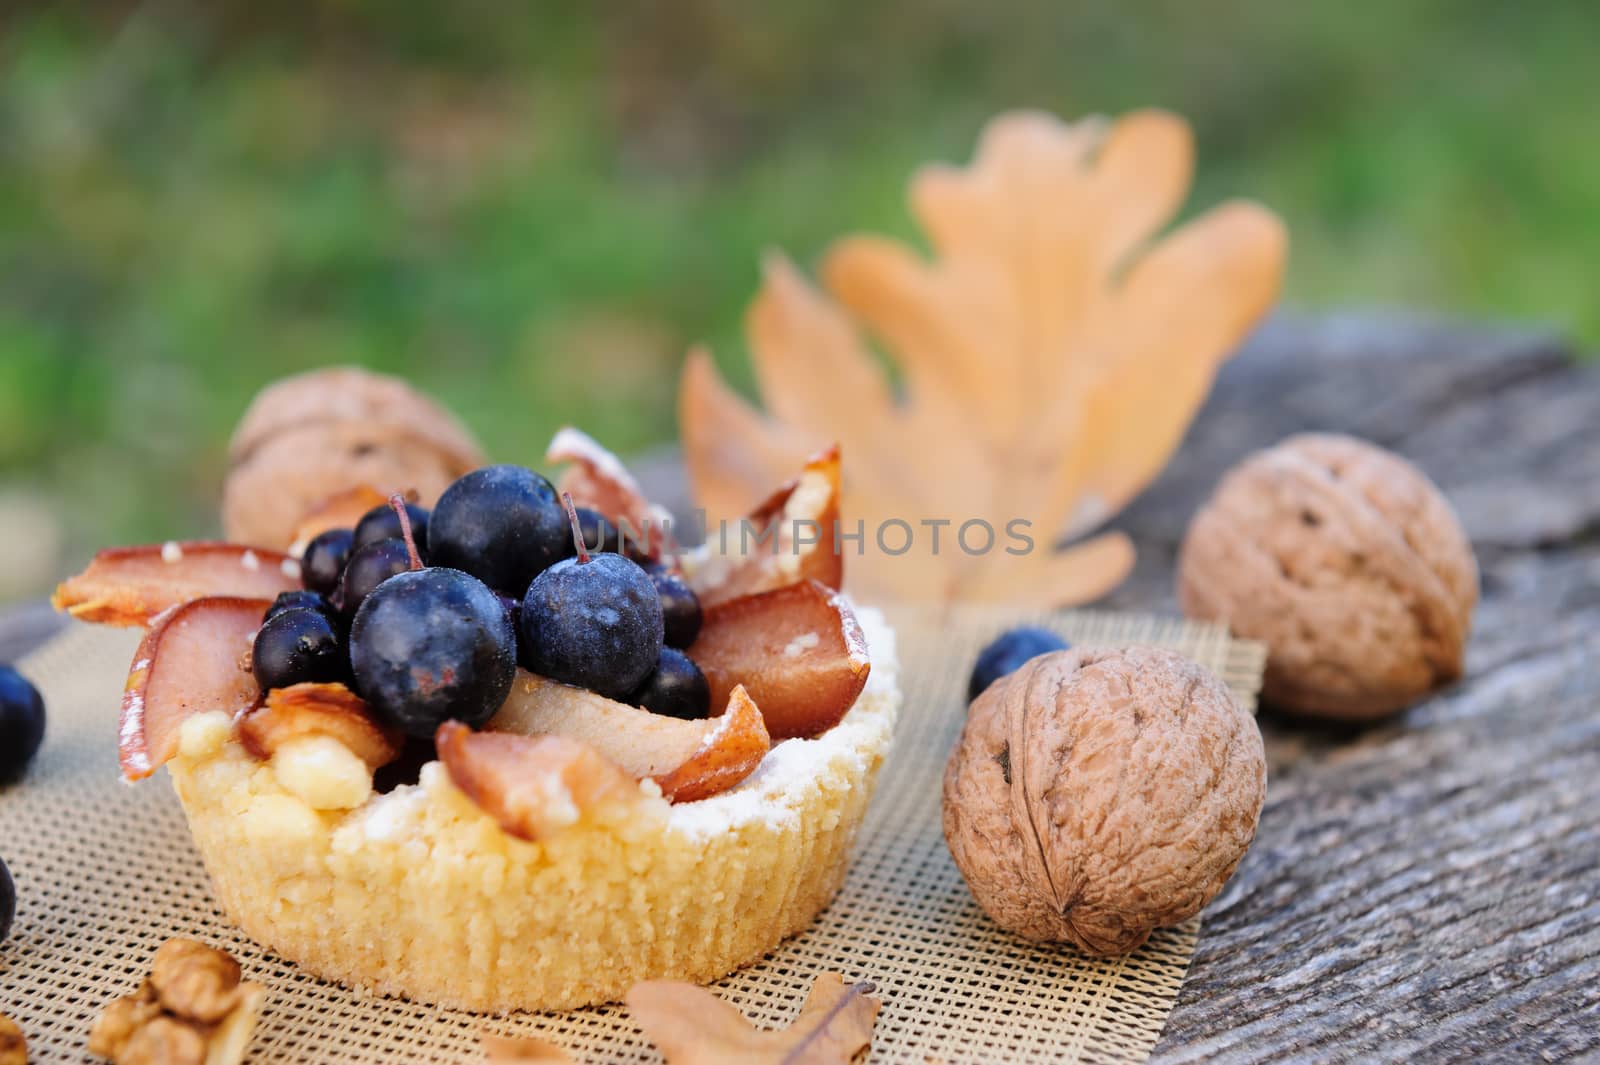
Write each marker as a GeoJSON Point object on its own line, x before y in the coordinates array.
{"type": "Point", "coordinates": [421, 894]}
{"type": "Point", "coordinates": [1347, 562]}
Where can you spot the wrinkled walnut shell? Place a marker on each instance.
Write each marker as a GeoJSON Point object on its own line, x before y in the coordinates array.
{"type": "Point", "coordinates": [1097, 795]}
{"type": "Point", "coordinates": [1347, 562]}
{"type": "Point", "coordinates": [307, 437]}
{"type": "Point", "coordinates": [350, 394]}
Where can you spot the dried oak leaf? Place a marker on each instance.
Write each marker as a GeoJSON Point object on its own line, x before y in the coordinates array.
{"type": "Point", "coordinates": [1052, 353]}
{"type": "Point", "coordinates": [691, 1026]}
{"type": "Point", "coordinates": [13, 1048]}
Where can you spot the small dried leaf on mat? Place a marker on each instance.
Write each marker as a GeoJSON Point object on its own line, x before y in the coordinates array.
{"type": "Point", "coordinates": [13, 1048]}
{"type": "Point", "coordinates": [691, 1026]}
{"type": "Point", "coordinates": [523, 1050]}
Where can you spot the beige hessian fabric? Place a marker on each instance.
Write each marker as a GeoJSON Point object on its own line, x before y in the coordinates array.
{"type": "Point", "coordinates": [105, 873]}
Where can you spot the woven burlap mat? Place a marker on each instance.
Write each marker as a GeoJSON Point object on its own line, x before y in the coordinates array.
{"type": "Point", "coordinates": [105, 873]}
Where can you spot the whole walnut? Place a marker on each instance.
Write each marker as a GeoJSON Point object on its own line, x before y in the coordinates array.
{"type": "Point", "coordinates": [1097, 795]}
{"type": "Point", "coordinates": [315, 434]}
{"type": "Point", "coordinates": [1347, 562]}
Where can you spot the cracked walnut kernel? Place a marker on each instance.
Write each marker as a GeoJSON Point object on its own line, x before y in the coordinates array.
{"type": "Point", "coordinates": [164, 1041]}
{"type": "Point", "coordinates": [195, 981]}
{"type": "Point", "coordinates": [192, 1010]}
{"type": "Point", "coordinates": [121, 1019]}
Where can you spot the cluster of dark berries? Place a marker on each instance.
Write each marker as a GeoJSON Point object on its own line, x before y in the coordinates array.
{"type": "Point", "coordinates": [428, 614]}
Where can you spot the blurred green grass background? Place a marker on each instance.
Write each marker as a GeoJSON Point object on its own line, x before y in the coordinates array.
{"type": "Point", "coordinates": [531, 210]}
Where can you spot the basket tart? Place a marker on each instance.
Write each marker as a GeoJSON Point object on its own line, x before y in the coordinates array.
{"type": "Point", "coordinates": [395, 832]}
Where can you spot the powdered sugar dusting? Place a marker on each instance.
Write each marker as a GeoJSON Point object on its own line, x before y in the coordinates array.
{"type": "Point", "coordinates": [714, 737]}
{"type": "Point", "coordinates": [801, 644]}
{"type": "Point", "coordinates": [855, 640]}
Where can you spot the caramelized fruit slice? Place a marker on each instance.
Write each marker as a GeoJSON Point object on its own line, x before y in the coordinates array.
{"type": "Point", "coordinates": [730, 751]}
{"type": "Point", "coordinates": [798, 650]}
{"type": "Point", "coordinates": [319, 710]}
{"type": "Point", "coordinates": [689, 759]}
{"type": "Point", "coordinates": [194, 659]}
{"type": "Point", "coordinates": [787, 539]}
{"type": "Point", "coordinates": [131, 585]}
{"type": "Point", "coordinates": [339, 511]}
{"type": "Point", "coordinates": [597, 479]}
{"type": "Point", "coordinates": [534, 786]}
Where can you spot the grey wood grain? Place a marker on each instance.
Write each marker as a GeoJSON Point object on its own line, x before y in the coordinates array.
{"type": "Point", "coordinates": [1427, 889]}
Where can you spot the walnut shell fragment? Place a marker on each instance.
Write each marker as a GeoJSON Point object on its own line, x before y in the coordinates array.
{"type": "Point", "coordinates": [315, 435]}
{"type": "Point", "coordinates": [1347, 562]}
{"type": "Point", "coordinates": [1097, 795]}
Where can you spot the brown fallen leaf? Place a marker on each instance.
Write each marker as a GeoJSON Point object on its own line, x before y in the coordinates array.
{"type": "Point", "coordinates": [1052, 347]}
{"type": "Point", "coordinates": [522, 1050]}
{"type": "Point", "coordinates": [691, 1026]}
{"type": "Point", "coordinates": [13, 1048]}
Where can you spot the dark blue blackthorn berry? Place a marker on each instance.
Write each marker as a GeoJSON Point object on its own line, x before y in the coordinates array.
{"type": "Point", "coordinates": [680, 607]}
{"type": "Point", "coordinates": [298, 600]}
{"type": "Point", "coordinates": [677, 688]}
{"type": "Point", "coordinates": [381, 522]}
{"type": "Point", "coordinates": [1007, 654]}
{"type": "Point", "coordinates": [369, 567]}
{"type": "Point", "coordinates": [298, 647]}
{"type": "Point", "coordinates": [430, 646]}
{"type": "Point", "coordinates": [595, 624]}
{"type": "Point", "coordinates": [8, 901]}
{"type": "Point", "coordinates": [324, 560]}
{"type": "Point", "coordinates": [502, 524]}
{"type": "Point", "coordinates": [21, 724]}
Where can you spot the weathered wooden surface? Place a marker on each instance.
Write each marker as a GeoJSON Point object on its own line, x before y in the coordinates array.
{"type": "Point", "coordinates": [1428, 889]}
